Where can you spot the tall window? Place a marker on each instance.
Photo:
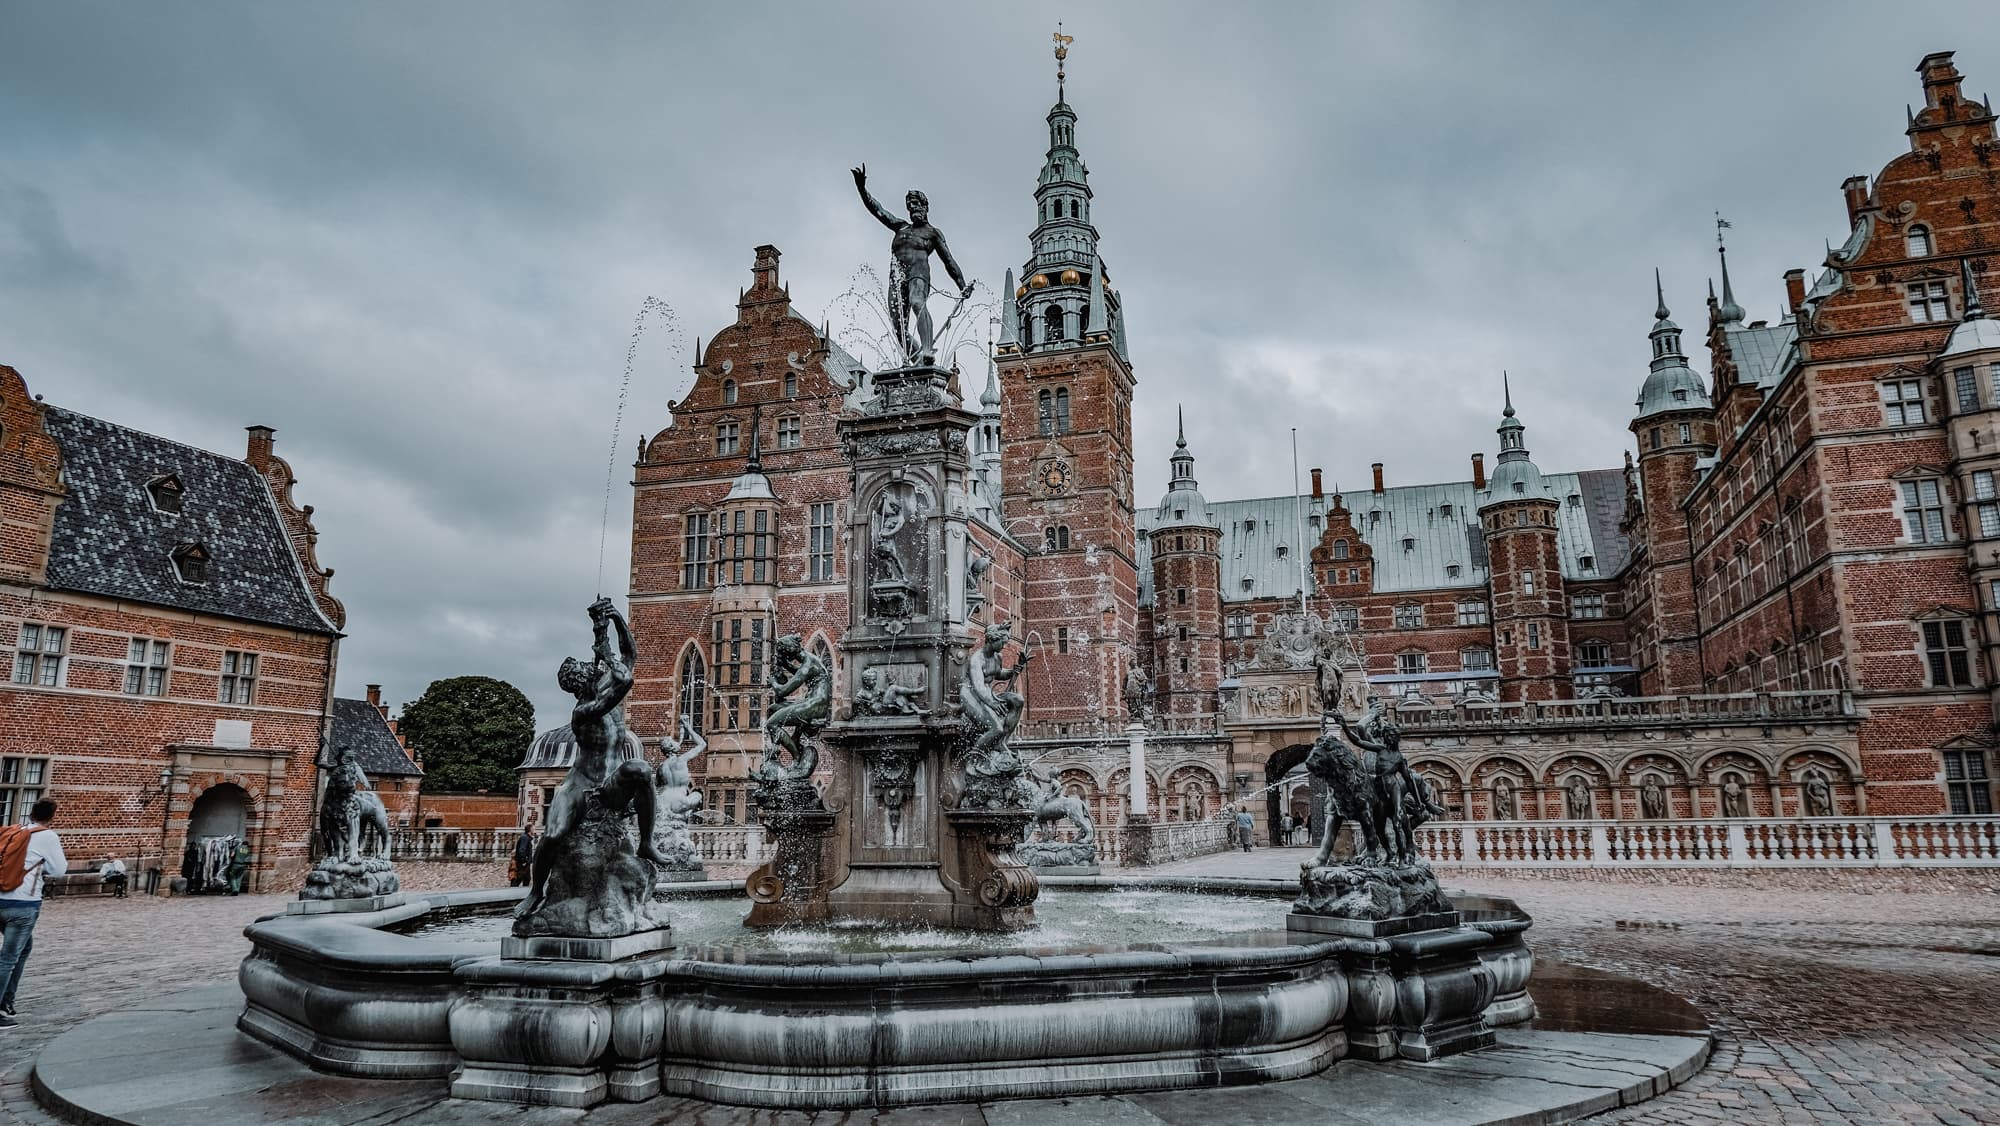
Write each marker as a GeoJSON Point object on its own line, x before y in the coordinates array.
{"type": "Point", "coordinates": [239, 678]}
{"type": "Point", "coordinates": [1412, 663]}
{"type": "Point", "coordinates": [728, 438]}
{"type": "Point", "coordinates": [1966, 783]}
{"type": "Point", "coordinates": [21, 782]}
{"type": "Point", "coordinates": [1180, 596]}
{"type": "Point", "coordinates": [1409, 615]}
{"type": "Point", "coordinates": [791, 384]}
{"type": "Point", "coordinates": [729, 392]}
{"type": "Point", "coordinates": [1593, 654]}
{"type": "Point", "coordinates": [1923, 510]}
{"type": "Point", "coordinates": [1055, 537]}
{"type": "Point", "coordinates": [819, 537]}
{"type": "Point", "coordinates": [1347, 617]}
{"type": "Point", "coordinates": [1062, 410]}
{"type": "Point", "coordinates": [1918, 241]}
{"type": "Point", "coordinates": [694, 551]}
{"type": "Point", "coordinates": [146, 667]}
{"type": "Point", "coordinates": [1967, 387]}
{"type": "Point", "coordinates": [1928, 302]}
{"type": "Point", "coordinates": [1946, 652]}
{"type": "Point", "coordinates": [1062, 639]}
{"type": "Point", "coordinates": [1045, 412]}
{"type": "Point", "coordinates": [1986, 503]}
{"type": "Point", "coordinates": [694, 689]}
{"type": "Point", "coordinates": [736, 654]}
{"type": "Point", "coordinates": [789, 433]}
{"type": "Point", "coordinates": [1239, 625]}
{"type": "Point", "coordinates": [1472, 612]}
{"type": "Point", "coordinates": [1052, 324]}
{"type": "Point", "coordinates": [1534, 635]}
{"type": "Point", "coordinates": [1902, 402]}
{"type": "Point", "coordinates": [1687, 433]}
{"type": "Point", "coordinates": [1527, 582]}
{"type": "Point", "coordinates": [38, 659]}
{"type": "Point", "coordinates": [1476, 660]}
{"type": "Point", "coordinates": [1586, 604]}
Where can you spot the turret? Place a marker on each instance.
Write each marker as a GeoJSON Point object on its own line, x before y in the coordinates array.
{"type": "Point", "coordinates": [1187, 593]}
{"type": "Point", "coordinates": [1524, 552]}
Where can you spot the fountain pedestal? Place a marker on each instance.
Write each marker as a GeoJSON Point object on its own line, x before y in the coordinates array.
{"type": "Point", "coordinates": [793, 887]}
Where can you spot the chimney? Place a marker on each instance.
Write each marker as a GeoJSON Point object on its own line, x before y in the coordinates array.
{"type": "Point", "coordinates": [1319, 493]}
{"type": "Point", "coordinates": [375, 699]}
{"type": "Point", "coordinates": [1478, 471]}
{"type": "Point", "coordinates": [1855, 188]}
{"type": "Point", "coordinates": [259, 453]}
{"type": "Point", "coordinates": [1377, 467]}
{"type": "Point", "coordinates": [764, 272]}
{"type": "Point", "coordinates": [1941, 82]}
{"type": "Point", "coordinates": [1795, 289]}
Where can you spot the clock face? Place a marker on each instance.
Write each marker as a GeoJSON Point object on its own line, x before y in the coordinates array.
{"type": "Point", "coordinates": [1055, 476]}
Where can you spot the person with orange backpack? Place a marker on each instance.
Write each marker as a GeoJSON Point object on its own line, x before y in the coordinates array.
{"type": "Point", "coordinates": [29, 854]}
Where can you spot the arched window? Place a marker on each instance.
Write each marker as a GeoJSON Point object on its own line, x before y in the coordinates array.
{"type": "Point", "coordinates": [694, 688]}
{"type": "Point", "coordinates": [1340, 549]}
{"type": "Point", "coordinates": [1083, 318]}
{"type": "Point", "coordinates": [1052, 324]}
{"type": "Point", "coordinates": [1062, 410]}
{"type": "Point", "coordinates": [728, 392]}
{"type": "Point", "coordinates": [1918, 241]}
{"type": "Point", "coordinates": [1045, 415]}
{"type": "Point", "coordinates": [1062, 537]}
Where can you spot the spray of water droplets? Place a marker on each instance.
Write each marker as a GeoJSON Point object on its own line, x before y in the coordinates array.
{"type": "Point", "coordinates": [651, 311]}
{"type": "Point", "coordinates": [862, 323]}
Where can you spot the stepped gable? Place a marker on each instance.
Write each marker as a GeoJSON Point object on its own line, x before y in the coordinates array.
{"type": "Point", "coordinates": [110, 539]}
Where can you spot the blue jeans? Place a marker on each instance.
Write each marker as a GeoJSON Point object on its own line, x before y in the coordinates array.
{"type": "Point", "coordinates": [17, 937]}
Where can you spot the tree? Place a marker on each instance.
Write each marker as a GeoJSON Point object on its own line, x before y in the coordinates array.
{"type": "Point", "coordinates": [471, 733]}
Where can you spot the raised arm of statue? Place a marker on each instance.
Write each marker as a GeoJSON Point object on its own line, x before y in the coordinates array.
{"type": "Point", "coordinates": [1353, 736]}
{"type": "Point", "coordinates": [696, 744]}
{"type": "Point", "coordinates": [875, 209]}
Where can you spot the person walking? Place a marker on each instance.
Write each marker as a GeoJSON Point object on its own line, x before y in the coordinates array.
{"type": "Point", "coordinates": [41, 856]}
{"type": "Point", "coordinates": [1246, 828]}
{"type": "Point", "coordinates": [523, 863]}
{"type": "Point", "coordinates": [1285, 829]}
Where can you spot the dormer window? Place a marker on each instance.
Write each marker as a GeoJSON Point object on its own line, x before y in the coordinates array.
{"type": "Point", "coordinates": [1250, 525]}
{"type": "Point", "coordinates": [1247, 581]}
{"type": "Point", "coordinates": [166, 493]}
{"type": "Point", "coordinates": [1520, 486]}
{"type": "Point", "coordinates": [1283, 550]}
{"type": "Point", "coordinates": [1444, 510]}
{"type": "Point", "coordinates": [1575, 500]}
{"type": "Point", "coordinates": [191, 563]}
{"type": "Point", "coordinates": [1918, 241]}
{"type": "Point", "coordinates": [1452, 570]}
{"type": "Point", "coordinates": [1587, 562]}
{"type": "Point", "coordinates": [1374, 516]}
{"type": "Point", "coordinates": [1680, 396]}
{"type": "Point", "coordinates": [1409, 543]}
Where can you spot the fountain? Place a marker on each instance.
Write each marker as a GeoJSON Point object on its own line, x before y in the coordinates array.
{"type": "Point", "coordinates": [929, 970]}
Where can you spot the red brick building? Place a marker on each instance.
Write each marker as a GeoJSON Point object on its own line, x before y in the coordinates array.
{"type": "Point", "coordinates": [169, 672]}
{"type": "Point", "coordinates": [1793, 579]}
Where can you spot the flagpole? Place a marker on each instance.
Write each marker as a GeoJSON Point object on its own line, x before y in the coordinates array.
{"type": "Point", "coordinates": [1298, 514]}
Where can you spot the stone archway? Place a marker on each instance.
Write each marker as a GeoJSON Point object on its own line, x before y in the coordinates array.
{"type": "Point", "coordinates": [222, 811]}
{"type": "Point", "coordinates": [1281, 764]}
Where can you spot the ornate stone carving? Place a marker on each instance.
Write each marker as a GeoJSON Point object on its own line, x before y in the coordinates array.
{"type": "Point", "coordinates": [1652, 798]}
{"type": "Point", "coordinates": [992, 769]}
{"type": "Point", "coordinates": [801, 702]}
{"type": "Point", "coordinates": [879, 693]}
{"type": "Point", "coordinates": [1818, 795]}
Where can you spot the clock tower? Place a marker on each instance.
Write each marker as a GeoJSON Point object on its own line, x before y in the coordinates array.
{"type": "Point", "coordinates": [1066, 440]}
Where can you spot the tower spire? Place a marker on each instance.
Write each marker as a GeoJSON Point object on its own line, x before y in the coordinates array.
{"type": "Point", "coordinates": [1062, 52]}
{"type": "Point", "coordinates": [1659, 292]}
{"type": "Point", "coordinates": [1506, 394]}
{"type": "Point", "coordinates": [1180, 426]}
{"type": "Point", "coordinates": [1729, 312]}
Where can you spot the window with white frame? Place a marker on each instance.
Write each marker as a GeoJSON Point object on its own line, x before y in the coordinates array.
{"type": "Point", "coordinates": [239, 678]}
{"type": "Point", "coordinates": [146, 667]}
{"type": "Point", "coordinates": [1966, 386]}
{"type": "Point", "coordinates": [819, 543]}
{"type": "Point", "coordinates": [1917, 241]}
{"type": "Point", "coordinates": [1687, 433]}
{"type": "Point", "coordinates": [38, 657]}
{"type": "Point", "coordinates": [1472, 612]}
{"type": "Point", "coordinates": [1239, 625]}
{"type": "Point", "coordinates": [791, 384]}
{"type": "Point", "coordinates": [1928, 302]}
{"type": "Point", "coordinates": [1923, 510]}
{"type": "Point", "coordinates": [1534, 635]}
{"type": "Point", "coordinates": [1986, 503]}
{"type": "Point", "coordinates": [1967, 784]}
{"type": "Point", "coordinates": [1412, 663]}
{"type": "Point", "coordinates": [1586, 604]}
{"type": "Point", "coordinates": [1902, 402]}
{"type": "Point", "coordinates": [728, 438]}
{"type": "Point", "coordinates": [1409, 615]}
{"type": "Point", "coordinates": [790, 433]}
{"type": "Point", "coordinates": [1476, 660]}
{"type": "Point", "coordinates": [729, 391]}
{"type": "Point", "coordinates": [1593, 654]}
{"type": "Point", "coordinates": [1347, 617]}
{"type": "Point", "coordinates": [694, 551]}
{"type": "Point", "coordinates": [1527, 582]}
{"type": "Point", "coordinates": [21, 785]}
{"type": "Point", "coordinates": [1947, 653]}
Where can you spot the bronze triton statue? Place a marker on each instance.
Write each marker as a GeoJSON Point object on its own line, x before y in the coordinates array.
{"type": "Point", "coordinates": [910, 272]}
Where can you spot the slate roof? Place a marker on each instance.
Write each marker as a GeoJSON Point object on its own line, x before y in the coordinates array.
{"type": "Point", "coordinates": [110, 540]}
{"type": "Point", "coordinates": [1764, 354]}
{"type": "Point", "coordinates": [359, 725]}
{"type": "Point", "coordinates": [1253, 531]}
{"type": "Point", "coordinates": [555, 749]}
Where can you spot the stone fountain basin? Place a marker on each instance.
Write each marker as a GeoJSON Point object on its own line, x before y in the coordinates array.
{"type": "Point", "coordinates": [846, 1030]}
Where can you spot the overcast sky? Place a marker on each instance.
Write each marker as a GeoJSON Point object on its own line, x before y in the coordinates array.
{"type": "Point", "coordinates": [414, 237]}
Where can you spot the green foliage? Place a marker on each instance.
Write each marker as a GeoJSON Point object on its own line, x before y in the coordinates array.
{"type": "Point", "coordinates": [471, 732]}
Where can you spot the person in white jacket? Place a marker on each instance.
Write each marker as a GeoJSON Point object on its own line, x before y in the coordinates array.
{"type": "Point", "coordinates": [20, 907]}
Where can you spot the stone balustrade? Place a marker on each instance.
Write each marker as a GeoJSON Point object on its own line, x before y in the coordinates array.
{"type": "Point", "coordinates": [452, 844]}
{"type": "Point", "coordinates": [1737, 842]}
{"type": "Point", "coordinates": [1628, 711]}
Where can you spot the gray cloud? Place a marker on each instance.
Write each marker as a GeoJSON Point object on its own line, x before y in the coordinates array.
{"type": "Point", "coordinates": [413, 238]}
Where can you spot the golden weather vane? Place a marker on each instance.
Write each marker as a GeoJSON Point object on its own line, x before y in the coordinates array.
{"type": "Point", "coordinates": [1062, 51]}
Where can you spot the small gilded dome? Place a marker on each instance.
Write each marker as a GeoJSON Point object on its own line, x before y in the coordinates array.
{"type": "Point", "coordinates": [1071, 277]}
{"type": "Point", "coordinates": [1021, 291]}
{"type": "Point", "coordinates": [1039, 281]}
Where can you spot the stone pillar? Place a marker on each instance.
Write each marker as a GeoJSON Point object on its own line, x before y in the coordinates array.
{"type": "Point", "coordinates": [1135, 740]}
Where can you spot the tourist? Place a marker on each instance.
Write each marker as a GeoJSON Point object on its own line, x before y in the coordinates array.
{"type": "Point", "coordinates": [1246, 829]}
{"type": "Point", "coordinates": [40, 855]}
{"type": "Point", "coordinates": [523, 863]}
{"type": "Point", "coordinates": [112, 872]}
{"type": "Point", "coordinates": [1285, 829]}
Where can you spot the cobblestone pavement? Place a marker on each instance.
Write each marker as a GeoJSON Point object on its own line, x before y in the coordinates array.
{"type": "Point", "coordinates": [1875, 1000]}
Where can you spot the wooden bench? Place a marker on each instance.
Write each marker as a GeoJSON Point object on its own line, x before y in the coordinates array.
{"type": "Point", "coordinates": [77, 881]}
